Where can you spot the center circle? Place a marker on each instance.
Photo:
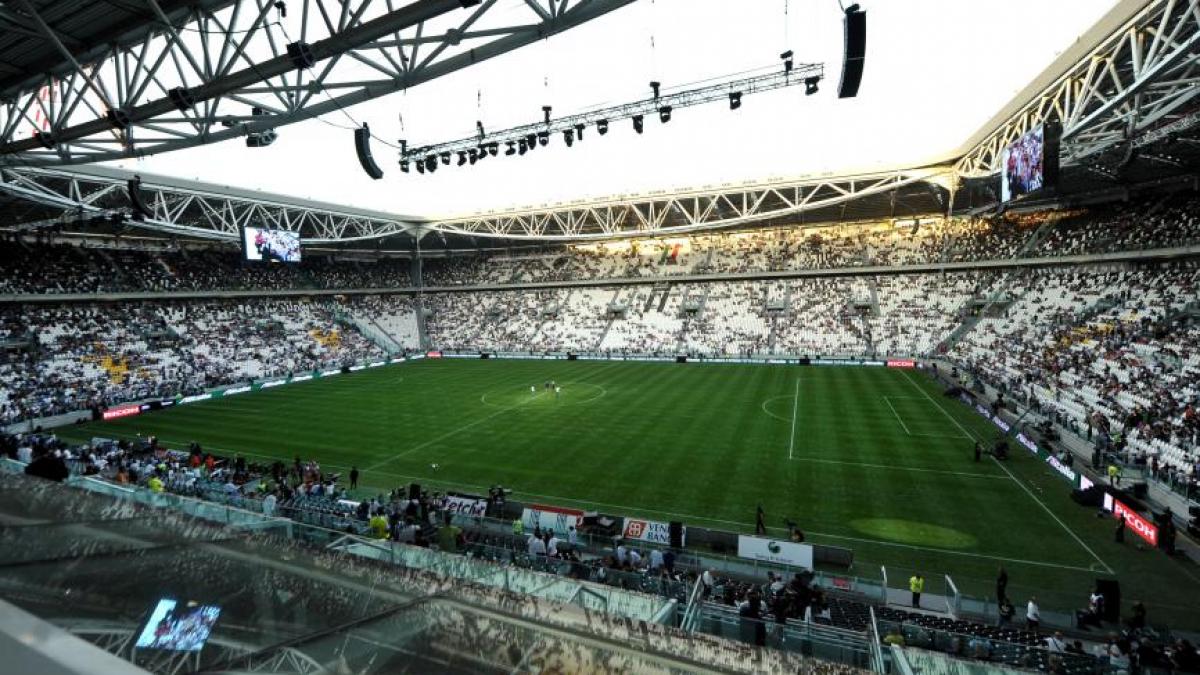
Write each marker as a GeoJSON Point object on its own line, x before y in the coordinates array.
{"type": "Point", "coordinates": [517, 397]}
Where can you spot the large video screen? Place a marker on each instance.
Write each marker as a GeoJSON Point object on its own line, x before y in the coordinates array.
{"type": "Point", "coordinates": [180, 628]}
{"type": "Point", "coordinates": [271, 245]}
{"type": "Point", "coordinates": [1029, 163]}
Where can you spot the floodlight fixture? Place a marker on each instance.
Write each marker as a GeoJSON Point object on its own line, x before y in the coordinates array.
{"type": "Point", "coordinates": [810, 85]}
{"type": "Point", "coordinates": [638, 123]}
{"type": "Point", "coordinates": [664, 114]}
{"type": "Point", "coordinates": [735, 100]}
{"type": "Point", "coordinates": [602, 126]}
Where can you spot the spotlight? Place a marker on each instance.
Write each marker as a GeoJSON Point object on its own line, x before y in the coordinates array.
{"type": "Point", "coordinates": [531, 140]}
{"type": "Point", "coordinates": [420, 166]}
{"type": "Point", "coordinates": [735, 100]}
{"type": "Point", "coordinates": [655, 86]}
{"type": "Point", "coordinates": [543, 138]}
{"type": "Point", "coordinates": [569, 137]}
{"type": "Point", "coordinates": [579, 131]}
{"type": "Point", "coordinates": [473, 156]}
{"type": "Point", "coordinates": [810, 85]}
{"type": "Point", "coordinates": [479, 128]}
{"type": "Point", "coordinates": [546, 113]}
{"type": "Point", "coordinates": [787, 61]}
{"type": "Point", "coordinates": [483, 151]}
{"type": "Point", "coordinates": [431, 163]}
{"type": "Point", "coordinates": [493, 148]}
{"type": "Point", "coordinates": [521, 147]}
{"type": "Point", "coordinates": [637, 123]}
{"type": "Point", "coordinates": [512, 148]}
{"type": "Point", "coordinates": [602, 126]}
{"type": "Point", "coordinates": [404, 166]}
{"type": "Point", "coordinates": [462, 157]}
{"type": "Point", "coordinates": [446, 158]}
{"type": "Point", "coordinates": [664, 114]}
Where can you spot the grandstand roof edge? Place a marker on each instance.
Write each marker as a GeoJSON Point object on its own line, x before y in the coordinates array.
{"type": "Point", "coordinates": [1118, 16]}
{"type": "Point", "coordinates": [115, 173]}
{"type": "Point", "coordinates": [929, 169]}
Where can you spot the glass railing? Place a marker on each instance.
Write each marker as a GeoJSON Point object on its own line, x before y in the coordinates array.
{"type": "Point", "coordinates": [1002, 647]}
{"type": "Point", "coordinates": [485, 565]}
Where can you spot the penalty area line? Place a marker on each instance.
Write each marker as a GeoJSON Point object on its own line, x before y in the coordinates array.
{"type": "Point", "coordinates": [902, 424]}
{"type": "Point", "coordinates": [1016, 480]}
{"type": "Point", "coordinates": [795, 407]}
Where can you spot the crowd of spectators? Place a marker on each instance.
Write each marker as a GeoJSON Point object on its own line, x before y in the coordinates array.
{"type": "Point", "coordinates": [1113, 354]}
{"type": "Point", "coordinates": [33, 268]}
{"type": "Point", "coordinates": [78, 357]}
{"type": "Point", "coordinates": [1150, 222]}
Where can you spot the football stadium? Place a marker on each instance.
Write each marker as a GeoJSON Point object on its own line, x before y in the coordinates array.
{"type": "Point", "coordinates": [599, 336]}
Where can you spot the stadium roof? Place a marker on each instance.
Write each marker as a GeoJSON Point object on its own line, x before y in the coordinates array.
{"type": "Point", "coordinates": [905, 117]}
{"type": "Point", "coordinates": [923, 91]}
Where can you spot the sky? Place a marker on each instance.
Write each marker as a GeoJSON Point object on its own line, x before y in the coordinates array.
{"type": "Point", "coordinates": [935, 72]}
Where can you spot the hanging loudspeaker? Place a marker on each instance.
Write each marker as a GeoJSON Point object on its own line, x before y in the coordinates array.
{"type": "Point", "coordinates": [856, 48]}
{"type": "Point", "coordinates": [362, 145]}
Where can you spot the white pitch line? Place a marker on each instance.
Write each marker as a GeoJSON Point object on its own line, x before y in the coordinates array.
{"type": "Point", "coordinates": [1029, 492]}
{"type": "Point", "coordinates": [453, 432]}
{"type": "Point", "coordinates": [891, 467]}
{"type": "Point", "coordinates": [902, 424]}
{"type": "Point", "coordinates": [795, 407]}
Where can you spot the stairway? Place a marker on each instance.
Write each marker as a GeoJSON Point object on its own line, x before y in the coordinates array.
{"type": "Point", "coordinates": [371, 330]}
{"type": "Point", "coordinates": [114, 267]}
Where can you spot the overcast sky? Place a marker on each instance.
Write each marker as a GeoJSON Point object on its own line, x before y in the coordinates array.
{"type": "Point", "coordinates": [936, 70]}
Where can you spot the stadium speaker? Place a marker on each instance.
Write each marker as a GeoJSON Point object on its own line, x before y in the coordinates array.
{"type": "Point", "coordinates": [134, 187]}
{"type": "Point", "coordinates": [856, 47]}
{"type": "Point", "coordinates": [362, 145]}
{"type": "Point", "coordinates": [1111, 590]}
{"type": "Point", "coordinates": [675, 531]}
{"type": "Point", "coordinates": [414, 490]}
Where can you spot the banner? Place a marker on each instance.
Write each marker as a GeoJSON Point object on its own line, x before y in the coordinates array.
{"type": "Point", "coordinates": [775, 551]}
{"type": "Point", "coordinates": [122, 411]}
{"type": "Point", "coordinates": [1144, 528]}
{"type": "Point", "coordinates": [1061, 468]}
{"type": "Point", "coordinates": [465, 506]}
{"type": "Point", "coordinates": [550, 518]}
{"type": "Point", "coordinates": [901, 363]}
{"type": "Point", "coordinates": [652, 531]}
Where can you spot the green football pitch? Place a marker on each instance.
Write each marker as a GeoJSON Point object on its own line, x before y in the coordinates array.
{"type": "Point", "coordinates": [871, 459]}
